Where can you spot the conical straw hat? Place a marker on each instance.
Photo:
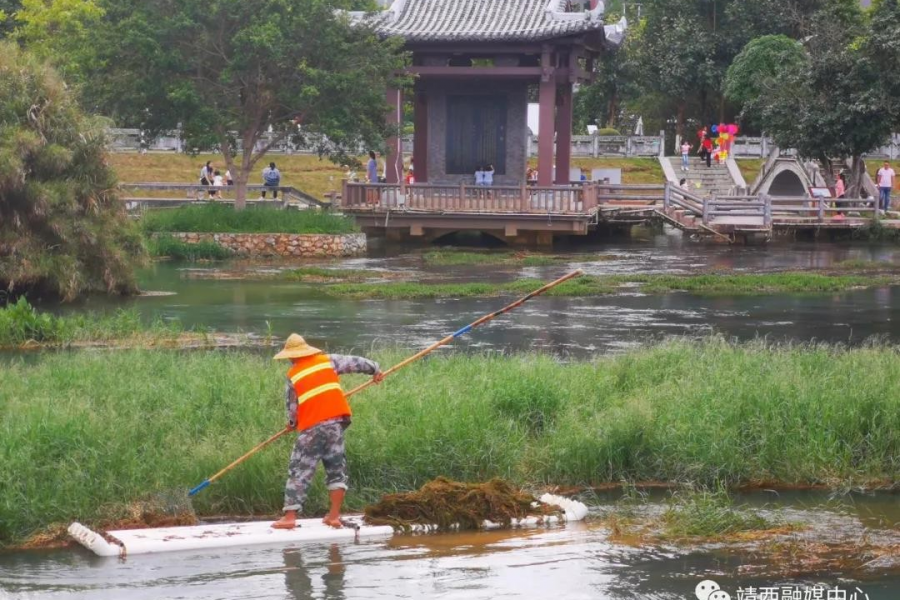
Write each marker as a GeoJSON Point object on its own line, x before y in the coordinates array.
{"type": "Point", "coordinates": [296, 347]}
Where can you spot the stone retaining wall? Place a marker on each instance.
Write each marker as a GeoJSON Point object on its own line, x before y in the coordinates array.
{"type": "Point", "coordinates": [283, 244]}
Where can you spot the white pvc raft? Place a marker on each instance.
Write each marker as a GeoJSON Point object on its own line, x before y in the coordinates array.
{"type": "Point", "coordinates": [204, 537]}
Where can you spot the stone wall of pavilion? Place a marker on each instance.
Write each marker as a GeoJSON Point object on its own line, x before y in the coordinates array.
{"type": "Point", "coordinates": [516, 127]}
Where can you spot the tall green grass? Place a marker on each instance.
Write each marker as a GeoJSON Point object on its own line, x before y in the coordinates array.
{"type": "Point", "coordinates": [166, 246]}
{"type": "Point", "coordinates": [21, 324]}
{"type": "Point", "coordinates": [82, 431]}
{"type": "Point", "coordinates": [217, 218]}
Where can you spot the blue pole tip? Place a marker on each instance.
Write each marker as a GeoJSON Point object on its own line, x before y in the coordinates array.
{"type": "Point", "coordinates": [199, 488]}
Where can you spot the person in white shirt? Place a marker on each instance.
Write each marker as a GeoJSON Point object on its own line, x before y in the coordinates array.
{"type": "Point", "coordinates": [885, 177]}
{"type": "Point", "coordinates": [218, 181]}
{"type": "Point", "coordinates": [479, 175]}
{"type": "Point", "coordinates": [685, 154]}
{"type": "Point", "coordinates": [489, 175]}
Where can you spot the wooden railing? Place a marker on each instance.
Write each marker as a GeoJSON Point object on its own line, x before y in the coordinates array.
{"type": "Point", "coordinates": [750, 207]}
{"type": "Point", "coordinates": [772, 210]}
{"type": "Point", "coordinates": [180, 193]}
{"type": "Point", "coordinates": [823, 210]}
{"type": "Point", "coordinates": [574, 199]}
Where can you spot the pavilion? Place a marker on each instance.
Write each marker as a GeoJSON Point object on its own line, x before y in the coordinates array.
{"type": "Point", "coordinates": [475, 63]}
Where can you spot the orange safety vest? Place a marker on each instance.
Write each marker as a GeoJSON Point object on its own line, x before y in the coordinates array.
{"type": "Point", "coordinates": [318, 389]}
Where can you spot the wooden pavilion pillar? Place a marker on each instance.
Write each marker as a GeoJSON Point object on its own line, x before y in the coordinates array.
{"type": "Point", "coordinates": [394, 158]}
{"type": "Point", "coordinates": [547, 126]}
{"type": "Point", "coordinates": [564, 118]}
{"type": "Point", "coordinates": [420, 142]}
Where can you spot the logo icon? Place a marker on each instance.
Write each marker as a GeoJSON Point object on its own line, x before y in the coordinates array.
{"type": "Point", "coordinates": [710, 590]}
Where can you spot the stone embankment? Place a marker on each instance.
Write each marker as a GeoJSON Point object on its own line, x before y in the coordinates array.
{"type": "Point", "coordinates": [282, 244]}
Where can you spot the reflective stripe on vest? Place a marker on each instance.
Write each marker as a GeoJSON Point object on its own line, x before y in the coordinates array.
{"type": "Point", "coordinates": [310, 371]}
{"type": "Point", "coordinates": [318, 389]}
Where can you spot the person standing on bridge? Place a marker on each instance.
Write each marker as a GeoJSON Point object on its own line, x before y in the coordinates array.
{"type": "Point", "coordinates": [885, 177]}
{"type": "Point", "coordinates": [319, 411]}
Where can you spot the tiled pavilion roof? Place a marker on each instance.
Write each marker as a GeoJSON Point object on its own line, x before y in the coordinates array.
{"type": "Point", "coordinates": [490, 21]}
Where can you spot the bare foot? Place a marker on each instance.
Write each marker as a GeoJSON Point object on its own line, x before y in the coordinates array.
{"type": "Point", "coordinates": [284, 523]}
{"type": "Point", "coordinates": [333, 522]}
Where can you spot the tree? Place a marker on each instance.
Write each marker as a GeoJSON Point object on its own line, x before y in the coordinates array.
{"type": "Point", "coordinates": [757, 69]}
{"type": "Point", "coordinates": [63, 231]}
{"type": "Point", "coordinates": [882, 47]}
{"type": "Point", "coordinates": [63, 31]}
{"type": "Point", "coordinates": [600, 103]}
{"type": "Point", "coordinates": [268, 70]}
{"type": "Point", "coordinates": [8, 10]}
{"type": "Point", "coordinates": [832, 103]}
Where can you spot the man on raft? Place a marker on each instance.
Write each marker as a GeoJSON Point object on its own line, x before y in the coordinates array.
{"type": "Point", "coordinates": [317, 408]}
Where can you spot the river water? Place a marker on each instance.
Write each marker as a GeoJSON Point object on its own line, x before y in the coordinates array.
{"type": "Point", "coordinates": [565, 326]}
{"type": "Point", "coordinates": [574, 562]}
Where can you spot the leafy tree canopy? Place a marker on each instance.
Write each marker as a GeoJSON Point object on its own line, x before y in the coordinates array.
{"type": "Point", "coordinates": [63, 232]}
{"type": "Point", "coordinates": [264, 68]}
{"type": "Point", "coordinates": [758, 67]}
{"type": "Point", "coordinates": [832, 103]}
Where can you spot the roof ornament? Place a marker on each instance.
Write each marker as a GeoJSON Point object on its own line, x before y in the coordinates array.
{"type": "Point", "coordinates": [615, 34]}
{"type": "Point", "coordinates": [395, 9]}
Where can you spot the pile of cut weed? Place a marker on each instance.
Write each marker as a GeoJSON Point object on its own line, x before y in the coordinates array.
{"type": "Point", "coordinates": [445, 504]}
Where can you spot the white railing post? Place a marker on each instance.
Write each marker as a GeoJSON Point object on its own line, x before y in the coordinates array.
{"type": "Point", "coordinates": [706, 209]}
{"type": "Point", "coordinates": [667, 196]}
{"type": "Point", "coordinates": [821, 209]}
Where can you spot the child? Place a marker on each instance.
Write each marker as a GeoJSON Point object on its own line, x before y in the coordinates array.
{"type": "Point", "coordinates": [218, 181]}
{"type": "Point", "coordinates": [685, 153]}
{"type": "Point", "coordinates": [479, 175]}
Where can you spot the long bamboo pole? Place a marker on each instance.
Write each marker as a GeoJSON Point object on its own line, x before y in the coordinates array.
{"type": "Point", "coordinates": [398, 366]}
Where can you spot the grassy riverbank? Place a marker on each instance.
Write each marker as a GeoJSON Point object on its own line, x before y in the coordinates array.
{"type": "Point", "coordinates": [83, 433]}
{"type": "Point", "coordinates": [217, 218]}
{"type": "Point", "coordinates": [22, 325]}
{"type": "Point", "coordinates": [726, 284]}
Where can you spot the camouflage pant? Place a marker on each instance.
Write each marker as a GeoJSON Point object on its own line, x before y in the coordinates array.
{"type": "Point", "coordinates": [324, 442]}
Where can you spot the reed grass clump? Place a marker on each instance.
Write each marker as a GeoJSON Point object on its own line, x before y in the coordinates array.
{"type": "Point", "coordinates": [708, 514]}
{"type": "Point", "coordinates": [21, 324]}
{"type": "Point", "coordinates": [83, 431]}
{"type": "Point", "coordinates": [218, 218]}
{"type": "Point", "coordinates": [166, 246]}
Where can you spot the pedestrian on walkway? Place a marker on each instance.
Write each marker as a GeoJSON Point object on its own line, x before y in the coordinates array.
{"type": "Point", "coordinates": [685, 155]}
{"type": "Point", "coordinates": [372, 168]}
{"type": "Point", "coordinates": [706, 151]}
{"type": "Point", "coordinates": [885, 178]}
{"type": "Point", "coordinates": [318, 410]}
{"type": "Point", "coordinates": [271, 179]}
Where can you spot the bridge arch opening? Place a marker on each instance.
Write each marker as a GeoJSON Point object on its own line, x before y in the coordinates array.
{"type": "Point", "coordinates": [788, 183]}
{"type": "Point", "coordinates": [470, 238]}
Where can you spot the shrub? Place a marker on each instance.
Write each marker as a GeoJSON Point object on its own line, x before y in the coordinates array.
{"type": "Point", "coordinates": [608, 131]}
{"type": "Point", "coordinates": [63, 231]}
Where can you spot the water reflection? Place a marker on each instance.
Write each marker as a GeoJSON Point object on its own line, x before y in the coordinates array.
{"type": "Point", "coordinates": [298, 577]}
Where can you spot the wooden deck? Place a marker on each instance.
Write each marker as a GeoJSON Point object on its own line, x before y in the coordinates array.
{"type": "Point", "coordinates": [514, 213]}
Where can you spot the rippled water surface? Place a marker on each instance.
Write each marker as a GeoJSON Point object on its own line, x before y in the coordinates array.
{"type": "Point", "coordinates": [578, 326]}
{"type": "Point", "coordinates": [574, 562]}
